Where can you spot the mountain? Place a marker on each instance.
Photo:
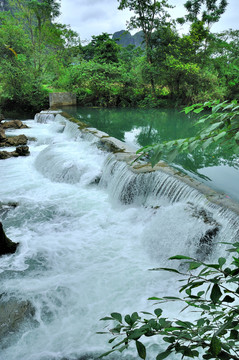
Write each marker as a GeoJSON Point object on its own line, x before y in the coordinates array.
{"type": "Point", "coordinates": [124, 38]}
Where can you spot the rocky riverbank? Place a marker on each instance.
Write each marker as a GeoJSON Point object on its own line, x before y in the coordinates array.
{"type": "Point", "coordinates": [18, 141]}
{"type": "Point", "coordinates": [12, 312]}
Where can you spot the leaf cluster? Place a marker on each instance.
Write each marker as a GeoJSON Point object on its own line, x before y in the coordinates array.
{"type": "Point", "coordinates": [210, 290]}
{"type": "Point", "coordinates": [220, 126]}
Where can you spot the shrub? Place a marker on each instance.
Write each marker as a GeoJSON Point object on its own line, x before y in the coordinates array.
{"type": "Point", "coordinates": [211, 290]}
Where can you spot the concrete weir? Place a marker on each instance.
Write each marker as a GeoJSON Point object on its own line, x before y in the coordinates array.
{"type": "Point", "coordinates": [124, 153]}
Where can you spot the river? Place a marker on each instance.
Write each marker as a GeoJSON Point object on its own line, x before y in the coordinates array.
{"type": "Point", "coordinates": [86, 247]}
{"type": "Point", "coordinates": [217, 166]}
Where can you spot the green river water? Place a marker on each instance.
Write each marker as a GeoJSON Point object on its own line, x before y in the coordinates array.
{"type": "Point", "coordinates": [217, 167]}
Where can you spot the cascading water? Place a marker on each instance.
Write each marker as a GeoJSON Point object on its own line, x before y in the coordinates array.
{"type": "Point", "coordinates": [86, 246]}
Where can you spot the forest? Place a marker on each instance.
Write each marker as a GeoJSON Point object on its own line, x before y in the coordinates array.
{"type": "Point", "coordinates": [40, 55]}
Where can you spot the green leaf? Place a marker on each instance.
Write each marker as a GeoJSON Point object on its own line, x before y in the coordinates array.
{"type": "Point", "coordinates": [221, 261]}
{"type": "Point", "coordinates": [123, 348]}
{"type": "Point", "coordinates": [134, 317]}
{"type": "Point", "coordinates": [228, 299]}
{"type": "Point", "coordinates": [163, 355]}
{"type": "Point", "coordinates": [141, 350]}
{"type": "Point", "coordinates": [116, 316]}
{"type": "Point", "coordinates": [107, 318]}
{"type": "Point", "coordinates": [219, 136]}
{"type": "Point", "coordinates": [188, 109]}
{"type": "Point", "coordinates": [206, 143]}
{"type": "Point", "coordinates": [194, 265]}
{"type": "Point", "coordinates": [172, 155]}
{"type": "Point", "coordinates": [200, 322]}
{"type": "Point", "coordinates": [171, 298]}
{"type": "Point", "coordinates": [214, 126]}
{"type": "Point", "coordinates": [128, 320]}
{"type": "Point", "coordinates": [170, 339]}
{"type": "Point", "coordinates": [197, 111]}
{"type": "Point", "coordinates": [234, 334]}
{"type": "Point", "coordinates": [215, 345]}
{"type": "Point", "coordinates": [207, 103]}
{"type": "Point", "coordinates": [180, 257]}
{"type": "Point", "coordinates": [215, 293]}
{"type": "Point", "coordinates": [166, 269]}
{"type": "Point", "coordinates": [105, 354]}
{"type": "Point", "coordinates": [237, 136]}
{"type": "Point", "coordinates": [158, 312]}
{"type": "Point", "coordinates": [157, 153]}
{"type": "Point", "coordinates": [146, 312]}
{"type": "Point", "coordinates": [185, 324]}
{"type": "Point", "coordinates": [192, 146]}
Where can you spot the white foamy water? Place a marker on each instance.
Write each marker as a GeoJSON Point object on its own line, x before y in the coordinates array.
{"type": "Point", "coordinates": [85, 248]}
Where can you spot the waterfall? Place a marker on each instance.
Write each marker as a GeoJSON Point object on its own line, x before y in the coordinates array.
{"type": "Point", "coordinates": [152, 188]}
{"type": "Point", "coordinates": [44, 118]}
{"type": "Point", "coordinates": [90, 224]}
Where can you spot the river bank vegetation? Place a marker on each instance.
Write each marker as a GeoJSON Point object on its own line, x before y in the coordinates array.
{"type": "Point", "coordinates": [39, 55]}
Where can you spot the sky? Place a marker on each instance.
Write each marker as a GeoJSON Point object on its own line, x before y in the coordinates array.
{"type": "Point", "coordinates": [93, 17]}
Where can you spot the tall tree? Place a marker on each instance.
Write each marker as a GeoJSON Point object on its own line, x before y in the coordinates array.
{"type": "Point", "coordinates": [106, 50]}
{"type": "Point", "coordinates": [149, 15]}
{"type": "Point", "coordinates": [210, 11]}
{"type": "Point", "coordinates": [37, 16]}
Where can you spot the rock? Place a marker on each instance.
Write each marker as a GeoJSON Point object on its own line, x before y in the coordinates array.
{"type": "Point", "coordinates": [14, 124]}
{"type": "Point", "coordinates": [2, 135]}
{"type": "Point", "coordinates": [206, 241]}
{"type": "Point", "coordinates": [12, 314]}
{"type": "Point", "coordinates": [1, 117]}
{"type": "Point", "coordinates": [5, 155]}
{"type": "Point", "coordinates": [13, 140]}
{"type": "Point", "coordinates": [5, 208]}
{"type": "Point", "coordinates": [16, 140]}
{"type": "Point", "coordinates": [20, 151]}
{"type": "Point", "coordinates": [96, 180]}
{"type": "Point", "coordinates": [7, 246]}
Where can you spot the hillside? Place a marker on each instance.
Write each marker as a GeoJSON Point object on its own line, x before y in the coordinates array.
{"type": "Point", "coordinates": [124, 38]}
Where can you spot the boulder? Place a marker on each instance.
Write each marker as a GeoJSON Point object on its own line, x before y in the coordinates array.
{"type": "Point", "coordinates": [13, 140]}
{"type": "Point", "coordinates": [206, 243]}
{"type": "Point", "coordinates": [14, 124]}
{"type": "Point", "coordinates": [207, 240]}
{"type": "Point", "coordinates": [12, 314]}
{"type": "Point", "coordinates": [3, 137]}
{"type": "Point", "coordinates": [6, 207]}
{"type": "Point", "coordinates": [7, 246]}
{"type": "Point", "coordinates": [20, 151]}
{"type": "Point", "coordinates": [16, 140]}
{"type": "Point", "coordinates": [5, 155]}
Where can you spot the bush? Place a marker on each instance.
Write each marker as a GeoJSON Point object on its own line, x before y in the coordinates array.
{"type": "Point", "coordinates": [211, 290]}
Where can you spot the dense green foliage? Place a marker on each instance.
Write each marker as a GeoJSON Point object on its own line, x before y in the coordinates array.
{"type": "Point", "coordinates": [39, 55]}
{"type": "Point", "coordinates": [33, 52]}
{"type": "Point", "coordinates": [211, 292]}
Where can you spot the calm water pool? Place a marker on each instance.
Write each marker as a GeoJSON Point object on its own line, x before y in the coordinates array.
{"type": "Point", "coordinates": [217, 167]}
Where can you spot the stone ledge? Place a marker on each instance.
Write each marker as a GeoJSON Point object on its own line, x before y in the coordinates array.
{"type": "Point", "coordinates": [124, 152]}
{"type": "Point", "coordinates": [62, 99]}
